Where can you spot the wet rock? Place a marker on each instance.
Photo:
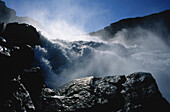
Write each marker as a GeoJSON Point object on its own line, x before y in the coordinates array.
{"type": "Point", "coordinates": [17, 99]}
{"type": "Point", "coordinates": [141, 94]}
{"type": "Point", "coordinates": [13, 61]}
{"type": "Point", "coordinates": [16, 56]}
{"type": "Point", "coordinates": [136, 92]}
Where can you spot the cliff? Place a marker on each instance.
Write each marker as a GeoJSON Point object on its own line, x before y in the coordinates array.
{"type": "Point", "coordinates": [158, 23]}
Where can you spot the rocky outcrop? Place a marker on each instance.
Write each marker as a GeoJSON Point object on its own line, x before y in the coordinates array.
{"type": "Point", "coordinates": [21, 83]}
{"type": "Point", "coordinates": [158, 23]}
{"type": "Point", "coordinates": [136, 92]}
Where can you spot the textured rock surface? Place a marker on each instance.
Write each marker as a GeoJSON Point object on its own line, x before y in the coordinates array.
{"type": "Point", "coordinates": [16, 62]}
{"type": "Point", "coordinates": [17, 99]}
{"type": "Point", "coordinates": [137, 92]}
{"type": "Point", "coordinates": [16, 57]}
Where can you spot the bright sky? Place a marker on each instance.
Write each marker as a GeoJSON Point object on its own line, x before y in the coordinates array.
{"type": "Point", "coordinates": [92, 15]}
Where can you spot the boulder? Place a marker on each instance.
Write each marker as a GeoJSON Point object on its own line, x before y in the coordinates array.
{"type": "Point", "coordinates": [141, 94]}
{"type": "Point", "coordinates": [137, 92]}
{"type": "Point", "coordinates": [21, 34]}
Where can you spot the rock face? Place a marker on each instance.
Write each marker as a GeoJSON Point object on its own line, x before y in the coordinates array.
{"type": "Point", "coordinates": [15, 50]}
{"type": "Point", "coordinates": [13, 95]}
{"type": "Point", "coordinates": [158, 23]}
{"type": "Point", "coordinates": [136, 92]}
{"type": "Point", "coordinates": [21, 83]}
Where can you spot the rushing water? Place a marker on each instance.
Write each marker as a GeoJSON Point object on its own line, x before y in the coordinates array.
{"type": "Point", "coordinates": [62, 61]}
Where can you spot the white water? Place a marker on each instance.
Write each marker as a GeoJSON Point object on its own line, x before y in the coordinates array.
{"type": "Point", "coordinates": [62, 61]}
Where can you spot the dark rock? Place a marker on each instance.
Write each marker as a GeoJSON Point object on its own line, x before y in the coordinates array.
{"type": "Point", "coordinates": [13, 61]}
{"type": "Point", "coordinates": [16, 56]}
{"type": "Point", "coordinates": [141, 94]}
{"type": "Point", "coordinates": [33, 81]}
{"type": "Point", "coordinates": [17, 99]}
{"type": "Point", "coordinates": [23, 55]}
{"type": "Point", "coordinates": [19, 34]}
{"type": "Point", "coordinates": [13, 95]}
{"type": "Point", "coordinates": [137, 92]}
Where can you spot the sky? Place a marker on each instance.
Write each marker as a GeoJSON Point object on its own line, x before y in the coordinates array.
{"type": "Point", "coordinates": [91, 15]}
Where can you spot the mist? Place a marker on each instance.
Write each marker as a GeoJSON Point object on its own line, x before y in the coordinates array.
{"type": "Point", "coordinates": [64, 19]}
{"type": "Point", "coordinates": [64, 60]}
{"type": "Point", "coordinates": [67, 52]}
